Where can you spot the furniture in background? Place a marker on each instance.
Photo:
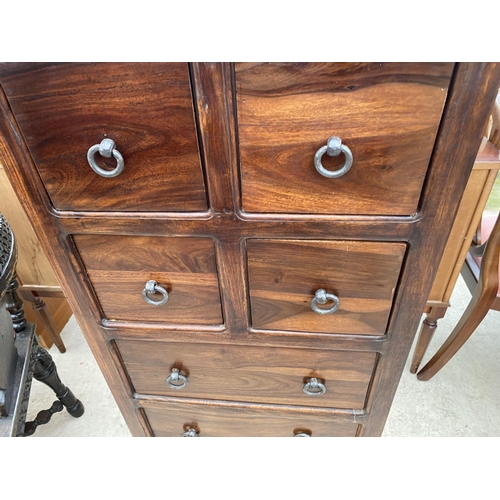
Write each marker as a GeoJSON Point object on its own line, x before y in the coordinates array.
{"type": "Point", "coordinates": [481, 275]}
{"type": "Point", "coordinates": [465, 225]}
{"type": "Point", "coordinates": [39, 287]}
{"type": "Point", "coordinates": [21, 358]}
{"type": "Point", "coordinates": [248, 248]}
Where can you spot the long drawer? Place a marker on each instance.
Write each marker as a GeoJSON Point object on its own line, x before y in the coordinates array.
{"type": "Point", "coordinates": [204, 420]}
{"type": "Point", "coordinates": [247, 373]}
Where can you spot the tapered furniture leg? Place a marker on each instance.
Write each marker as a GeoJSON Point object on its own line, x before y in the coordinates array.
{"type": "Point", "coordinates": [46, 372]}
{"type": "Point", "coordinates": [484, 296]}
{"type": "Point", "coordinates": [429, 325]}
{"type": "Point", "coordinates": [44, 316]}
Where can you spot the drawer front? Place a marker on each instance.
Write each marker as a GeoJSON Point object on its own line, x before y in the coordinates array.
{"type": "Point", "coordinates": [285, 275]}
{"type": "Point", "coordinates": [249, 374]}
{"type": "Point", "coordinates": [386, 114]}
{"type": "Point", "coordinates": [65, 109]}
{"type": "Point", "coordinates": [120, 266]}
{"type": "Point", "coordinates": [174, 419]}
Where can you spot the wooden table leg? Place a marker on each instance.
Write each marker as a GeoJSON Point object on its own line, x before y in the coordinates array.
{"type": "Point", "coordinates": [44, 316]}
{"type": "Point", "coordinates": [429, 325]}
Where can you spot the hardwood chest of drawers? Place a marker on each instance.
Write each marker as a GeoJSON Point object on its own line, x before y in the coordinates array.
{"type": "Point", "coordinates": [246, 247]}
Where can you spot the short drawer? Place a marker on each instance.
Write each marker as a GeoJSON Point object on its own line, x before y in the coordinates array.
{"type": "Point", "coordinates": [119, 268]}
{"type": "Point", "coordinates": [205, 420]}
{"type": "Point", "coordinates": [386, 114]}
{"type": "Point", "coordinates": [359, 277]}
{"type": "Point", "coordinates": [249, 374]}
{"type": "Point", "coordinates": [145, 108]}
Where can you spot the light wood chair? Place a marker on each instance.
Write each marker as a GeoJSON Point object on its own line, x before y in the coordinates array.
{"type": "Point", "coordinates": [486, 296]}
{"type": "Point", "coordinates": [467, 220]}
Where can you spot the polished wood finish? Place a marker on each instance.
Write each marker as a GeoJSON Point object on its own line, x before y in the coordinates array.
{"type": "Point", "coordinates": [64, 109]}
{"type": "Point", "coordinates": [119, 267]}
{"type": "Point", "coordinates": [286, 112]}
{"type": "Point", "coordinates": [254, 374]}
{"type": "Point", "coordinates": [423, 233]}
{"type": "Point", "coordinates": [173, 419]}
{"type": "Point", "coordinates": [285, 274]}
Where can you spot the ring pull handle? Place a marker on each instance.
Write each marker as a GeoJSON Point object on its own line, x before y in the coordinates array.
{"type": "Point", "coordinates": [190, 433]}
{"type": "Point", "coordinates": [334, 147]}
{"type": "Point", "coordinates": [151, 288]}
{"type": "Point", "coordinates": [107, 149]}
{"type": "Point", "coordinates": [313, 387]}
{"type": "Point", "coordinates": [321, 297]}
{"type": "Point", "coordinates": [302, 434]}
{"type": "Point", "coordinates": [176, 380]}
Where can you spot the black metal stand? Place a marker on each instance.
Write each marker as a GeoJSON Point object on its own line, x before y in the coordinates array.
{"type": "Point", "coordinates": [45, 371]}
{"type": "Point", "coordinates": [23, 356]}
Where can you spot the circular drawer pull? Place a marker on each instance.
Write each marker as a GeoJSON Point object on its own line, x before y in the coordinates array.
{"type": "Point", "coordinates": [333, 148]}
{"type": "Point", "coordinates": [106, 149]}
{"type": "Point", "coordinates": [313, 387]}
{"type": "Point", "coordinates": [151, 288]}
{"type": "Point", "coordinates": [190, 433]}
{"type": "Point", "coordinates": [321, 297]}
{"type": "Point", "coordinates": [175, 380]}
{"type": "Point", "coordinates": [302, 435]}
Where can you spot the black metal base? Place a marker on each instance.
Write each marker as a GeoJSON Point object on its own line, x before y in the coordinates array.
{"type": "Point", "coordinates": [45, 371]}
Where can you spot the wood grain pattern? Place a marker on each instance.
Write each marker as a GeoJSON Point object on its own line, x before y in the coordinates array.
{"type": "Point", "coordinates": [64, 109]}
{"type": "Point", "coordinates": [285, 274]}
{"type": "Point", "coordinates": [387, 114]}
{"type": "Point", "coordinates": [469, 100]}
{"type": "Point", "coordinates": [252, 374]}
{"type": "Point", "coordinates": [172, 419]}
{"type": "Point", "coordinates": [120, 266]}
{"type": "Point", "coordinates": [469, 104]}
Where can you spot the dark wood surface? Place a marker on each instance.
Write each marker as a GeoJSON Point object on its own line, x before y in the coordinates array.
{"type": "Point", "coordinates": [387, 114]}
{"type": "Point", "coordinates": [119, 267]}
{"type": "Point", "coordinates": [423, 231]}
{"type": "Point", "coordinates": [172, 419]}
{"type": "Point", "coordinates": [64, 109]}
{"type": "Point", "coordinates": [285, 274]}
{"type": "Point", "coordinates": [254, 374]}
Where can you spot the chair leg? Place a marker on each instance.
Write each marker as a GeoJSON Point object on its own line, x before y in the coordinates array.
{"type": "Point", "coordinates": [427, 330]}
{"type": "Point", "coordinates": [483, 298]}
{"type": "Point", "coordinates": [476, 310]}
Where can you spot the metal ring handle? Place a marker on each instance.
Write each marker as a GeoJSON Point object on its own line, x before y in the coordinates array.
{"type": "Point", "coordinates": [175, 380]}
{"type": "Point", "coordinates": [153, 287]}
{"type": "Point", "coordinates": [107, 149]}
{"type": "Point", "coordinates": [190, 433]}
{"type": "Point", "coordinates": [313, 387]}
{"type": "Point", "coordinates": [334, 147]}
{"type": "Point", "coordinates": [321, 297]}
{"type": "Point", "coordinates": [302, 435]}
